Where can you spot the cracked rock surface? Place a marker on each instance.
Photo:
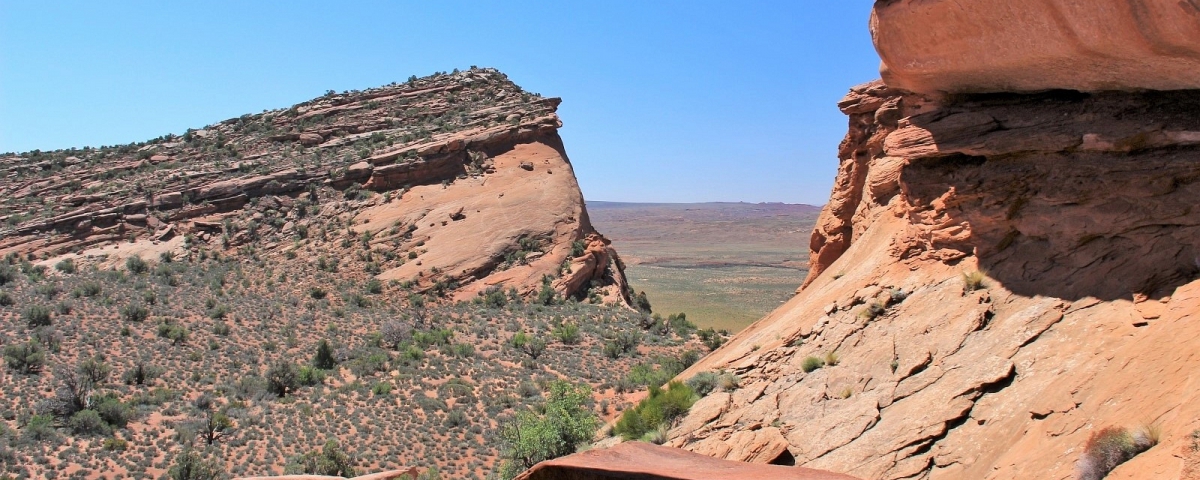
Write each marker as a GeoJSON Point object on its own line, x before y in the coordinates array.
{"type": "Point", "coordinates": [1080, 212]}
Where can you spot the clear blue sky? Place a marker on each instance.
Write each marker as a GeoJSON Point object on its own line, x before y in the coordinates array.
{"type": "Point", "coordinates": [670, 101]}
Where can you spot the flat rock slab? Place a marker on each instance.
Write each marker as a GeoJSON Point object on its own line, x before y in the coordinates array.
{"type": "Point", "coordinates": [646, 461]}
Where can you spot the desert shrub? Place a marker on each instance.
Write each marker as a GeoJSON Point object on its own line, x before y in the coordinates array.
{"type": "Point", "coordinates": [374, 286]}
{"type": "Point", "coordinates": [177, 334]}
{"type": "Point", "coordinates": [641, 302]}
{"type": "Point", "coordinates": [39, 428]}
{"type": "Point", "coordinates": [115, 444]}
{"type": "Point", "coordinates": [89, 289]}
{"type": "Point", "coordinates": [832, 359]}
{"type": "Point", "coordinates": [87, 422]}
{"type": "Point", "coordinates": [519, 340]}
{"type": "Point", "coordinates": [710, 338]}
{"type": "Point", "coordinates": [324, 356]}
{"type": "Point", "coordinates": [113, 411]}
{"type": "Point", "coordinates": [623, 343]}
{"type": "Point", "coordinates": [136, 265]}
{"type": "Point", "coordinates": [368, 363]}
{"type": "Point", "coordinates": [309, 376]}
{"type": "Point", "coordinates": [221, 328]}
{"type": "Point", "coordinates": [330, 460]}
{"type": "Point", "coordinates": [811, 363]}
{"type": "Point", "coordinates": [141, 374]}
{"type": "Point", "coordinates": [546, 295]}
{"type": "Point", "coordinates": [394, 333]}
{"type": "Point", "coordinates": [463, 350]}
{"type": "Point", "coordinates": [973, 281]}
{"type": "Point", "coordinates": [6, 299]}
{"type": "Point", "coordinates": [728, 382]}
{"type": "Point", "coordinates": [217, 311]}
{"type": "Point", "coordinates": [94, 370]}
{"type": "Point", "coordinates": [872, 310]}
{"type": "Point", "coordinates": [1110, 447]}
{"type": "Point", "coordinates": [36, 316]}
{"type": "Point", "coordinates": [455, 418]}
{"type": "Point", "coordinates": [134, 312]}
{"type": "Point", "coordinates": [317, 293]}
{"type": "Point", "coordinates": [7, 274]}
{"type": "Point", "coordinates": [282, 378]}
{"type": "Point", "coordinates": [27, 357]}
{"type": "Point", "coordinates": [565, 422]}
{"type": "Point", "coordinates": [535, 347]}
{"type": "Point", "coordinates": [189, 465]}
{"type": "Point", "coordinates": [67, 265]}
{"type": "Point", "coordinates": [703, 383]}
{"type": "Point", "coordinates": [660, 407]}
{"type": "Point", "coordinates": [494, 298]}
{"type": "Point", "coordinates": [381, 388]}
{"type": "Point", "coordinates": [567, 333]}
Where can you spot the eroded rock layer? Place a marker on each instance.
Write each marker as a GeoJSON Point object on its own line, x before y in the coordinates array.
{"type": "Point", "coordinates": [994, 279]}
{"type": "Point", "coordinates": [975, 46]}
{"type": "Point", "coordinates": [455, 183]}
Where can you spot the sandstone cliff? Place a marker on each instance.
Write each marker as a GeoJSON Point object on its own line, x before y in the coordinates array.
{"type": "Point", "coordinates": [459, 182]}
{"type": "Point", "coordinates": [996, 277]}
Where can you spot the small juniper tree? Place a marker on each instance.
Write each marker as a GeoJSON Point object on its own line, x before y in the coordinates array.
{"type": "Point", "coordinates": [324, 357]}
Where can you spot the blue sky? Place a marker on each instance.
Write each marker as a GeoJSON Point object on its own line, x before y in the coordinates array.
{"type": "Point", "coordinates": [664, 101]}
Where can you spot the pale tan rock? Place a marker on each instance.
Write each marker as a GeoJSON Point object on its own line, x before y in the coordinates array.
{"type": "Point", "coordinates": [958, 46]}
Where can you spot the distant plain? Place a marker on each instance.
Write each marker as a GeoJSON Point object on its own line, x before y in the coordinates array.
{"type": "Point", "coordinates": [724, 264]}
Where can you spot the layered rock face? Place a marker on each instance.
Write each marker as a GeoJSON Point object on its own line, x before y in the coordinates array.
{"type": "Point", "coordinates": [974, 46]}
{"type": "Point", "coordinates": [995, 278]}
{"type": "Point", "coordinates": [459, 182]}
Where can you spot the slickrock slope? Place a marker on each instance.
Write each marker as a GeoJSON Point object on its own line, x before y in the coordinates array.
{"type": "Point", "coordinates": [475, 189]}
{"type": "Point", "coordinates": [645, 461]}
{"type": "Point", "coordinates": [994, 279]}
{"type": "Point", "coordinates": [1032, 45]}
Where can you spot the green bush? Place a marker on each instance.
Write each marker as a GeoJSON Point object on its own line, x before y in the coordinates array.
{"type": "Point", "coordinates": [67, 265]}
{"type": "Point", "coordinates": [811, 363]}
{"type": "Point", "coordinates": [36, 316]}
{"type": "Point", "coordinates": [324, 357]}
{"type": "Point", "coordinates": [703, 383]}
{"type": "Point", "coordinates": [309, 376]}
{"type": "Point", "coordinates": [6, 299]}
{"type": "Point", "coordinates": [136, 265]}
{"type": "Point", "coordinates": [27, 357]}
{"type": "Point", "coordinates": [659, 408]}
{"type": "Point", "coordinates": [134, 312]}
{"type": "Point", "coordinates": [381, 388]}
{"type": "Point", "coordinates": [567, 333]}
{"type": "Point", "coordinates": [189, 465]}
{"type": "Point", "coordinates": [330, 461]}
{"type": "Point", "coordinates": [282, 378]}
{"type": "Point", "coordinates": [565, 423]}
{"type": "Point", "coordinates": [87, 422]}
{"type": "Point", "coordinates": [7, 274]}
{"type": "Point", "coordinates": [39, 428]}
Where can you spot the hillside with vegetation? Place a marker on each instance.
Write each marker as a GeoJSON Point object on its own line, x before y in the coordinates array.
{"type": "Point", "coordinates": [397, 277]}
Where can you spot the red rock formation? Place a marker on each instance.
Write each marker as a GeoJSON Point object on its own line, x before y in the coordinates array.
{"type": "Point", "coordinates": [645, 461]}
{"type": "Point", "coordinates": [977, 46]}
{"type": "Point", "coordinates": [1078, 208]}
{"type": "Point", "coordinates": [446, 157]}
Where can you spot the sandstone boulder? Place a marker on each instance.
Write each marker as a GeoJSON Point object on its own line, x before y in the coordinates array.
{"type": "Point", "coordinates": [973, 46]}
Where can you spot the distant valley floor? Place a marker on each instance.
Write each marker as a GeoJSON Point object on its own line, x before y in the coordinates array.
{"type": "Point", "coordinates": [724, 264]}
